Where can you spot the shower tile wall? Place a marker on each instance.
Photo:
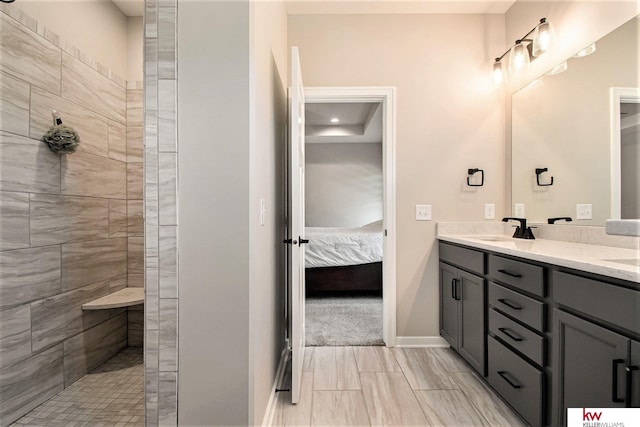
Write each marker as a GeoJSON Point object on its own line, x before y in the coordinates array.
{"type": "Point", "coordinates": [161, 237]}
{"type": "Point", "coordinates": [70, 226]}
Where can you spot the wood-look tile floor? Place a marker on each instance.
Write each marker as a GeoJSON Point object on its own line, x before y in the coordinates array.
{"type": "Point", "coordinates": [377, 386]}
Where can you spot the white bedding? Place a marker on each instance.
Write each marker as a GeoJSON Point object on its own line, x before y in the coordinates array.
{"type": "Point", "coordinates": [331, 247]}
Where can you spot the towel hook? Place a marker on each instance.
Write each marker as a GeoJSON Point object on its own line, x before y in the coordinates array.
{"type": "Point", "coordinates": [470, 173]}
{"type": "Point", "coordinates": [540, 171]}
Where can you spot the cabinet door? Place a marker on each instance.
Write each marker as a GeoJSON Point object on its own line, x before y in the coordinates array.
{"type": "Point", "coordinates": [448, 304]}
{"type": "Point", "coordinates": [634, 375]}
{"type": "Point", "coordinates": [589, 365]}
{"type": "Point", "coordinates": [471, 341]}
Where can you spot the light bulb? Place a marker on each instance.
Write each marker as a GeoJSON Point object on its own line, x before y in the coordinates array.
{"type": "Point", "coordinates": [499, 76]}
{"type": "Point", "coordinates": [543, 38]}
{"type": "Point", "coordinates": [518, 58]}
{"type": "Point", "coordinates": [335, 120]}
{"type": "Point", "coordinates": [560, 68]}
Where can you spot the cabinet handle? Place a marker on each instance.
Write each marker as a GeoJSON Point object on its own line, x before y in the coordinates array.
{"type": "Point", "coordinates": [453, 288]}
{"type": "Point", "coordinates": [614, 380]}
{"type": "Point", "coordinates": [629, 383]}
{"type": "Point", "coordinates": [508, 332]}
{"type": "Point", "coordinates": [508, 304]}
{"type": "Point", "coordinates": [456, 281]}
{"type": "Point", "coordinates": [508, 273]}
{"type": "Point", "coordinates": [511, 383]}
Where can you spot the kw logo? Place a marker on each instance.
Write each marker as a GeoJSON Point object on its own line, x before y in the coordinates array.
{"type": "Point", "coordinates": [590, 416]}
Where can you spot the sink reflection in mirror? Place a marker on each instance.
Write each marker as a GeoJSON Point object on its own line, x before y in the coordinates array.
{"type": "Point", "coordinates": [564, 124]}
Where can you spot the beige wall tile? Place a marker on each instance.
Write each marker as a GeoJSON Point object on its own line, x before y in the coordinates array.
{"type": "Point", "coordinates": [89, 262]}
{"type": "Point", "coordinates": [59, 317]}
{"type": "Point", "coordinates": [117, 141]}
{"type": "Point", "coordinates": [28, 165]}
{"type": "Point", "coordinates": [167, 140]}
{"type": "Point", "coordinates": [91, 348]}
{"type": "Point", "coordinates": [14, 105]}
{"type": "Point", "coordinates": [21, 49]}
{"type": "Point", "coordinates": [135, 280]}
{"type": "Point", "coordinates": [30, 382]}
{"type": "Point", "coordinates": [168, 187]}
{"type": "Point", "coordinates": [134, 144]}
{"type": "Point", "coordinates": [134, 107]}
{"type": "Point", "coordinates": [90, 89]}
{"type": "Point", "coordinates": [168, 398]}
{"type": "Point", "coordinates": [88, 175]}
{"type": "Point", "coordinates": [15, 335]}
{"type": "Point", "coordinates": [168, 261]}
{"type": "Point", "coordinates": [92, 129]}
{"type": "Point", "coordinates": [60, 219]}
{"type": "Point", "coordinates": [14, 220]}
{"type": "Point", "coordinates": [135, 220]}
{"type": "Point", "coordinates": [29, 274]}
{"type": "Point", "coordinates": [117, 218]}
{"type": "Point", "coordinates": [168, 335]}
{"type": "Point", "coordinates": [135, 255]}
{"type": "Point", "coordinates": [134, 181]}
{"type": "Point", "coordinates": [167, 43]}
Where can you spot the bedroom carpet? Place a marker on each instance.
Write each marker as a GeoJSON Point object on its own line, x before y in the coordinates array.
{"type": "Point", "coordinates": [333, 321]}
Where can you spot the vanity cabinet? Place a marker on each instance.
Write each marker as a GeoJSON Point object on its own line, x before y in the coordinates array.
{"type": "Point", "coordinates": [462, 303]}
{"type": "Point", "coordinates": [596, 355]}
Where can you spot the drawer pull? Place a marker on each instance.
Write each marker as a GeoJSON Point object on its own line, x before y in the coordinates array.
{"type": "Point", "coordinates": [629, 380]}
{"type": "Point", "coordinates": [614, 380]}
{"type": "Point", "coordinates": [508, 332]}
{"type": "Point", "coordinates": [508, 273]}
{"type": "Point", "coordinates": [453, 288]}
{"type": "Point", "coordinates": [508, 304]}
{"type": "Point", "coordinates": [511, 383]}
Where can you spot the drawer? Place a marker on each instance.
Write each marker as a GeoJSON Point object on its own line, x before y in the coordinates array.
{"type": "Point", "coordinates": [517, 336]}
{"type": "Point", "coordinates": [466, 258]}
{"type": "Point", "coordinates": [526, 310]}
{"type": "Point", "coordinates": [529, 278]}
{"type": "Point", "coordinates": [611, 303]}
{"type": "Point", "coordinates": [518, 382]}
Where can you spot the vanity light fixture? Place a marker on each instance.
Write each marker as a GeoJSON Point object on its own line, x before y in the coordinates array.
{"type": "Point", "coordinates": [7, 1]}
{"type": "Point", "coordinates": [524, 49]}
{"type": "Point", "coordinates": [335, 120]}
{"type": "Point", "coordinates": [560, 68]}
{"type": "Point", "coordinates": [586, 51]}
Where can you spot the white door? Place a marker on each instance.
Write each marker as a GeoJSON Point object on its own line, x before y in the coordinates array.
{"type": "Point", "coordinates": [296, 223]}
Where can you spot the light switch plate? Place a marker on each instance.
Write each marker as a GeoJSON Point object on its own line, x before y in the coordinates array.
{"type": "Point", "coordinates": [584, 211]}
{"type": "Point", "coordinates": [423, 212]}
{"type": "Point", "coordinates": [518, 210]}
{"type": "Point", "coordinates": [489, 211]}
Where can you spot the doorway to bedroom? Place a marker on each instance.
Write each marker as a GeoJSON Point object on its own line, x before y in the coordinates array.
{"type": "Point", "coordinates": [344, 219]}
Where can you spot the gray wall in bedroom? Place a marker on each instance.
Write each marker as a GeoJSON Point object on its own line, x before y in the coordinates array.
{"type": "Point", "coordinates": [343, 184]}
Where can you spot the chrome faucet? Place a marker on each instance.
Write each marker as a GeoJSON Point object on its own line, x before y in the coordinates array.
{"type": "Point", "coordinates": [522, 231]}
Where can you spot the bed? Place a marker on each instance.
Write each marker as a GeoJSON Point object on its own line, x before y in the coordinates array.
{"type": "Point", "coordinates": [344, 260]}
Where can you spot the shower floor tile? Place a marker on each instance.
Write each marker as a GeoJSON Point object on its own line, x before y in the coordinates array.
{"type": "Point", "coordinates": [112, 394]}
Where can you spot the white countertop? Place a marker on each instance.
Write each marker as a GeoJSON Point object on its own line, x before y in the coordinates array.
{"type": "Point", "coordinates": [620, 263]}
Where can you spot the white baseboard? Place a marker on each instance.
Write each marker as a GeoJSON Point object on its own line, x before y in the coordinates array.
{"type": "Point", "coordinates": [273, 399]}
{"type": "Point", "coordinates": [424, 342]}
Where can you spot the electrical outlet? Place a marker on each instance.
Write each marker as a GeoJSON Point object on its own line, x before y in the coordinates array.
{"type": "Point", "coordinates": [489, 211]}
{"type": "Point", "coordinates": [518, 210]}
{"type": "Point", "coordinates": [584, 211]}
{"type": "Point", "coordinates": [423, 212]}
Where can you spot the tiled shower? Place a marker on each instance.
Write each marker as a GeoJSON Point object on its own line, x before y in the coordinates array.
{"type": "Point", "coordinates": [71, 226]}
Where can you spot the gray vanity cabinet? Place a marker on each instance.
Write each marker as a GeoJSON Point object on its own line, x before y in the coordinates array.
{"type": "Point", "coordinates": [462, 303]}
{"type": "Point", "coordinates": [590, 369]}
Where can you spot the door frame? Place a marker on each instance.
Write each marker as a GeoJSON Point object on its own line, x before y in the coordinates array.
{"type": "Point", "coordinates": [386, 97]}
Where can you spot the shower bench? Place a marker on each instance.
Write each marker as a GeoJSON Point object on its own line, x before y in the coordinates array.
{"type": "Point", "coordinates": [123, 298]}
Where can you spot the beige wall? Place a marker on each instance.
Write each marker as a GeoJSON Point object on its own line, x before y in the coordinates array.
{"type": "Point", "coordinates": [268, 102]}
{"type": "Point", "coordinates": [97, 27]}
{"type": "Point", "coordinates": [449, 118]}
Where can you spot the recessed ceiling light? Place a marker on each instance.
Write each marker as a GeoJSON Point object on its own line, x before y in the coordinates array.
{"type": "Point", "coordinates": [335, 120]}
{"type": "Point", "coordinates": [586, 51]}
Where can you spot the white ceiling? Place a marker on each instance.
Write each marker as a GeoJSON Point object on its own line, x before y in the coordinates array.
{"type": "Point", "coordinates": [313, 7]}
{"type": "Point", "coordinates": [359, 122]}
{"type": "Point", "coordinates": [316, 7]}
{"type": "Point", "coordinates": [130, 7]}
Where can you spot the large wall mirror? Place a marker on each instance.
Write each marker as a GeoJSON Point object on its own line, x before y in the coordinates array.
{"type": "Point", "coordinates": [570, 123]}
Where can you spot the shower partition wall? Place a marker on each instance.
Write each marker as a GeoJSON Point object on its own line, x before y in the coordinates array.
{"type": "Point", "coordinates": [70, 225]}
